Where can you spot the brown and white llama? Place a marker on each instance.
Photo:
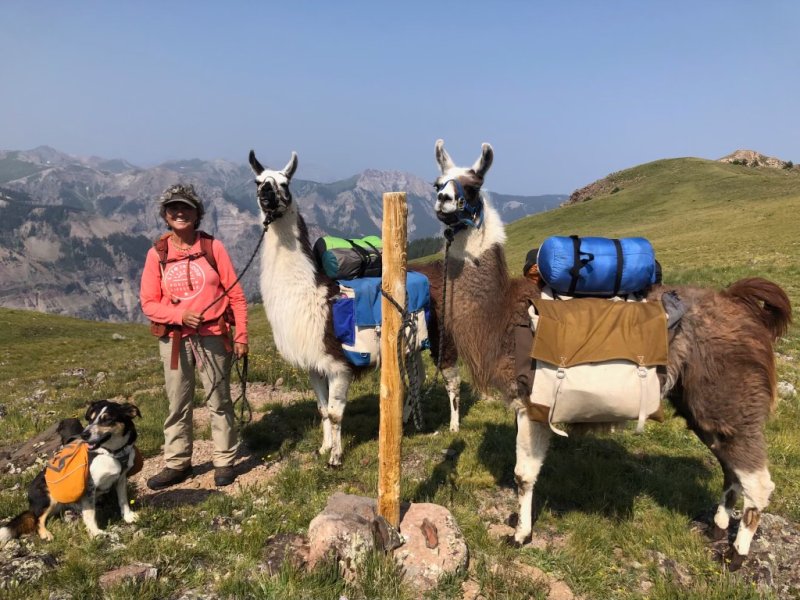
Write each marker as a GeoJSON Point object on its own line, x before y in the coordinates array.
{"type": "Point", "coordinates": [721, 372]}
{"type": "Point", "coordinates": [297, 299]}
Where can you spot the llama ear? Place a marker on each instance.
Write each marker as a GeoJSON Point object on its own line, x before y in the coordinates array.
{"type": "Point", "coordinates": [442, 157]}
{"type": "Point", "coordinates": [291, 166]}
{"type": "Point", "coordinates": [254, 164]}
{"type": "Point", "coordinates": [482, 165]}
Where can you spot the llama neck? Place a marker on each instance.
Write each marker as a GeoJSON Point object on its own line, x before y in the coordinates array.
{"type": "Point", "coordinates": [295, 296]}
{"type": "Point", "coordinates": [478, 252]}
{"type": "Point", "coordinates": [470, 243]}
{"type": "Point", "coordinates": [287, 246]}
{"type": "Point", "coordinates": [478, 296]}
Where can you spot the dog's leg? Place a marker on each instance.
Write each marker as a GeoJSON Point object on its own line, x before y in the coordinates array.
{"type": "Point", "coordinates": [122, 498]}
{"type": "Point", "coordinates": [87, 506]}
{"type": "Point", "coordinates": [41, 522]}
{"type": "Point", "coordinates": [320, 385]}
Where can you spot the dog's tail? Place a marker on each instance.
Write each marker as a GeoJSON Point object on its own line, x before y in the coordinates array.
{"type": "Point", "coordinates": [19, 525]}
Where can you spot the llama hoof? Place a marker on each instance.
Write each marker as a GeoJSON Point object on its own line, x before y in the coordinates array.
{"type": "Point", "coordinates": [732, 560]}
{"type": "Point", "coordinates": [323, 450]}
{"type": "Point", "coordinates": [717, 533]}
{"type": "Point", "coordinates": [334, 466]}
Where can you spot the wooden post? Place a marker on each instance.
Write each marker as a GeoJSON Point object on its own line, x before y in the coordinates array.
{"type": "Point", "coordinates": [390, 435]}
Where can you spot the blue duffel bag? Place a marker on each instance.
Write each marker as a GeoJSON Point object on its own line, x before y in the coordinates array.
{"type": "Point", "coordinates": [595, 266]}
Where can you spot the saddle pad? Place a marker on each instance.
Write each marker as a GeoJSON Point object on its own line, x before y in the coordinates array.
{"type": "Point", "coordinates": [591, 330]}
{"type": "Point", "coordinates": [368, 297]}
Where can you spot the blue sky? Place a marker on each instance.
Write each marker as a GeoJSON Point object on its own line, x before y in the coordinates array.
{"type": "Point", "coordinates": [565, 91]}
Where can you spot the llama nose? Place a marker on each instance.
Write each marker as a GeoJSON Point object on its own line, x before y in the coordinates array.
{"type": "Point", "coordinates": [442, 197]}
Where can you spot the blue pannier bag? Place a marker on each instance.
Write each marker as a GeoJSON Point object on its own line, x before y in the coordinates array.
{"type": "Point", "coordinates": [357, 316]}
{"type": "Point", "coordinates": [595, 266]}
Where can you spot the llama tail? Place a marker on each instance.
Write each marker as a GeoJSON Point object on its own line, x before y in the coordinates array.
{"type": "Point", "coordinates": [766, 301]}
{"type": "Point", "coordinates": [19, 525]}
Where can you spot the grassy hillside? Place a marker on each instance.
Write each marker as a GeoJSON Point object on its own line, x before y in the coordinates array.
{"type": "Point", "coordinates": [613, 508]}
{"type": "Point", "coordinates": [709, 222]}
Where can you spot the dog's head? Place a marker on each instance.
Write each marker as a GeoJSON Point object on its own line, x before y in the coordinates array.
{"type": "Point", "coordinates": [69, 429]}
{"type": "Point", "coordinates": [110, 425]}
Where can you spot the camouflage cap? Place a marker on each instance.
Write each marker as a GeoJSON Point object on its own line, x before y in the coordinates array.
{"type": "Point", "coordinates": [183, 193]}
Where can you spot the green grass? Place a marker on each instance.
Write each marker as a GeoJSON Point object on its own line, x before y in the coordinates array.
{"type": "Point", "coordinates": [607, 503]}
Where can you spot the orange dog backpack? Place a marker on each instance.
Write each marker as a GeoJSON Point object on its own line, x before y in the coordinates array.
{"type": "Point", "coordinates": [67, 472]}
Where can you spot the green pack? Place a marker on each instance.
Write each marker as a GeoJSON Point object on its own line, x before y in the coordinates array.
{"type": "Point", "coordinates": [342, 258]}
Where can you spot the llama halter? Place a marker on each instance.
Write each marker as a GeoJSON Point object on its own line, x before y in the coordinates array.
{"type": "Point", "coordinates": [267, 197]}
{"type": "Point", "coordinates": [467, 214]}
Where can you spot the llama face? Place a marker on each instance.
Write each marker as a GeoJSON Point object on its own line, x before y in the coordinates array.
{"type": "Point", "coordinates": [458, 189]}
{"type": "Point", "coordinates": [273, 192]}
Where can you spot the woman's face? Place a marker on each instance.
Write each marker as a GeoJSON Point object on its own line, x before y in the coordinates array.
{"type": "Point", "coordinates": [180, 216]}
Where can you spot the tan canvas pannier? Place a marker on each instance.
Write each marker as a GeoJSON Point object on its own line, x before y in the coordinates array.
{"type": "Point", "coordinates": [596, 360]}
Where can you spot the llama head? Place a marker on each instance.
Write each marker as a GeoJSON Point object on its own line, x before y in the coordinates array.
{"type": "Point", "coordinates": [458, 189]}
{"type": "Point", "coordinates": [272, 189]}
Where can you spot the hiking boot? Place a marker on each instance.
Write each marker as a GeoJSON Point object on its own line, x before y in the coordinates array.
{"type": "Point", "coordinates": [224, 476]}
{"type": "Point", "coordinates": [168, 477]}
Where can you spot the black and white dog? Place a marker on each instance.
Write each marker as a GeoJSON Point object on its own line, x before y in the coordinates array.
{"type": "Point", "coordinates": [110, 436]}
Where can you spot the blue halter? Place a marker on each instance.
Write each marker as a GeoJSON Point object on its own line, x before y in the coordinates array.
{"type": "Point", "coordinates": [465, 215]}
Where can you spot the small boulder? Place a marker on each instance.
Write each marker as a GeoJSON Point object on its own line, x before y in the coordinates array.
{"type": "Point", "coordinates": [423, 565]}
{"type": "Point", "coordinates": [135, 571]}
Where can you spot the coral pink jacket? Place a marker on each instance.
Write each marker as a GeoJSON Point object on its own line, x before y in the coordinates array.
{"type": "Point", "coordinates": [192, 285]}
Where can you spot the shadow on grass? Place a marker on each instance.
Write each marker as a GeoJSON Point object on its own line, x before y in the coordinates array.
{"type": "Point", "coordinates": [443, 474]}
{"type": "Point", "coordinates": [283, 427]}
{"type": "Point", "coordinates": [436, 406]}
{"type": "Point", "coordinates": [599, 475]}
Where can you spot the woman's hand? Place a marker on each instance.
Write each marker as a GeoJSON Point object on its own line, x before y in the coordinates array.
{"type": "Point", "coordinates": [192, 319]}
{"type": "Point", "coordinates": [240, 349]}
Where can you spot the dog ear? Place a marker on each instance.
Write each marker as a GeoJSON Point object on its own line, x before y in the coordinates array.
{"type": "Point", "coordinates": [131, 410]}
{"type": "Point", "coordinates": [92, 410]}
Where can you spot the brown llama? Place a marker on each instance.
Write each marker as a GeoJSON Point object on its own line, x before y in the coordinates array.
{"type": "Point", "coordinates": [721, 372]}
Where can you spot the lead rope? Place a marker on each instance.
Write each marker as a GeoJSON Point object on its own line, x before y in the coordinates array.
{"type": "Point", "coordinates": [406, 346]}
{"type": "Point", "coordinates": [243, 372]}
{"type": "Point", "coordinates": [241, 399]}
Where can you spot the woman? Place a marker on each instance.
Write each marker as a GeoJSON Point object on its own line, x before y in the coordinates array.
{"type": "Point", "coordinates": [183, 293]}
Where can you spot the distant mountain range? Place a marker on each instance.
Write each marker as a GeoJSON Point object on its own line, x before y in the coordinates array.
{"type": "Point", "coordinates": [75, 230]}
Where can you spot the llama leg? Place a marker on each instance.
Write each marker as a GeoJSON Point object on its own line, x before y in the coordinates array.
{"type": "Point", "coordinates": [757, 487]}
{"type": "Point", "coordinates": [339, 384]}
{"type": "Point", "coordinates": [730, 495]}
{"type": "Point", "coordinates": [533, 440]}
{"type": "Point", "coordinates": [452, 382]}
{"type": "Point", "coordinates": [319, 383]}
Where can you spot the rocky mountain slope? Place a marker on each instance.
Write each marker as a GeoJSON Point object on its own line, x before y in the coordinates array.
{"type": "Point", "coordinates": [75, 230]}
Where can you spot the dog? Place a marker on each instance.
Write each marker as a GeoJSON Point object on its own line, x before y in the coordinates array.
{"type": "Point", "coordinates": [110, 436]}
